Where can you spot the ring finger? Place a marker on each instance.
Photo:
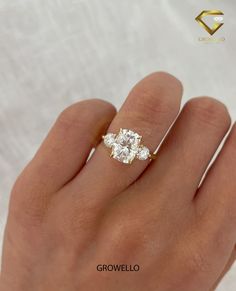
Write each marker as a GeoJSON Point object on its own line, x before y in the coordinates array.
{"type": "Point", "coordinates": [149, 110]}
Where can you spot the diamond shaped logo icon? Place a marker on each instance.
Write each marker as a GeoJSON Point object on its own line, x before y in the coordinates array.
{"type": "Point", "coordinates": [217, 24]}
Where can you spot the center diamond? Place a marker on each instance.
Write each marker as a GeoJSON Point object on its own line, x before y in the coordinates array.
{"type": "Point", "coordinates": [126, 146]}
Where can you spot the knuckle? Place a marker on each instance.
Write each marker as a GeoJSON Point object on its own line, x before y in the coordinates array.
{"type": "Point", "coordinates": [163, 80]}
{"type": "Point", "coordinates": [146, 106]}
{"type": "Point", "coordinates": [17, 189]}
{"type": "Point", "coordinates": [208, 111]}
{"type": "Point", "coordinates": [125, 238]}
{"type": "Point", "coordinates": [168, 79]}
{"type": "Point", "coordinates": [73, 115]}
{"type": "Point", "coordinates": [25, 209]}
{"type": "Point", "coordinates": [194, 258]}
{"type": "Point", "coordinates": [197, 262]}
{"type": "Point", "coordinates": [17, 185]}
{"type": "Point", "coordinates": [152, 101]}
{"type": "Point", "coordinates": [32, 217]}
{"type": "Point", "coordinates": [79, 113]}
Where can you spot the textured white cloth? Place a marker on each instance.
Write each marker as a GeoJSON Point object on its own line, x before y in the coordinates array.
{"type": "Point", "coordinates": [55, 52]}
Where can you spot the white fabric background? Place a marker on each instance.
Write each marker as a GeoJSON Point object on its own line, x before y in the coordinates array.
{"type": "Point", "coordinates": [55, 52]}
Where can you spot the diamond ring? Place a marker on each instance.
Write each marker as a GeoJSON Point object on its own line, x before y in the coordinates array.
{"type": "Point", "coordinates": [126, 146]}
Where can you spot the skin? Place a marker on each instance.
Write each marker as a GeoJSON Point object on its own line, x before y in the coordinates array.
{"type": "Point", "coordinates": [67, 216]}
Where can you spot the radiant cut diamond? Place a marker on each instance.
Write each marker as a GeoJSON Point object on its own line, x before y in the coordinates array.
{"type": "Point", "coordinates": [126, 146]}
{"type": "Point", "coordinates": [128, 138]}
{"type": "Point", "coordinates": [123, 153]}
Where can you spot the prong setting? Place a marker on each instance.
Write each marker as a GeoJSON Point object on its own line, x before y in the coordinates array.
{"type": "Point", "coordinates": [126, 146]}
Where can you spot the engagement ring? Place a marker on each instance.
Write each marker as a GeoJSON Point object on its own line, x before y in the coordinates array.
{"type": "Point", "coordinates": [126, 146]}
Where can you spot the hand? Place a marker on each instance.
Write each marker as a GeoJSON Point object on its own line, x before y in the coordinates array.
{"type": "Point", "coordinates": [69, 219]}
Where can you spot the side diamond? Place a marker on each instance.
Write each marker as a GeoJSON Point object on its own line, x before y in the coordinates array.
{"type": "Point", "coordinates": [109, 139]}
{"type": "Point", "coordinates": [143, 153]}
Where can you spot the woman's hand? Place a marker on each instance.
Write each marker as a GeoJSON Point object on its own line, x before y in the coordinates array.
{"type": "Point", "coordinates": [104, 225]}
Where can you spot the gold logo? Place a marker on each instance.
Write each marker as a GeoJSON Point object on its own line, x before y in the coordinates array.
{"type": "Point", "coordinates": [217, 20]}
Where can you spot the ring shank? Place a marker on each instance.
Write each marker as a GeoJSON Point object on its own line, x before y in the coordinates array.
{"type": "Point", "coordinates": [152, 156]}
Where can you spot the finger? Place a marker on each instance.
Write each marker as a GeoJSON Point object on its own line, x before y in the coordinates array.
{"type": "Point", "coordinates": [216, 199]}
{"type": "Point", "coordinates": [215, 204]}
{"type": "Point", "coordinates": [64, 151]}
{"type": "Point", "coordinates": [150, 109]}
{"type": "Point", "coordinates": [187, 150]}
